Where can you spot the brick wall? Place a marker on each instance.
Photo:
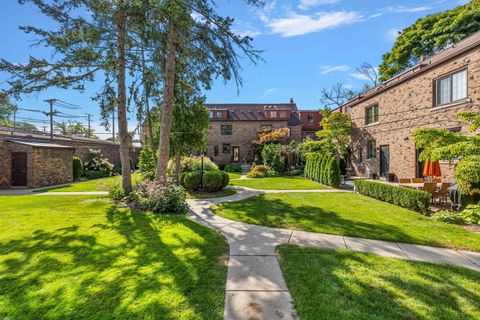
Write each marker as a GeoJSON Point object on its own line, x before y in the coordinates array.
{"type": "Point", "coordinates": [406, 107]}
{"type": "Point", "coordinates": [51, 166]}
{"type": "Point", "coordinates": [243, 133]}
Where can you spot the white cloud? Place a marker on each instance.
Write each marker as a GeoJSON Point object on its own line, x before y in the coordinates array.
{"type": "Point", "coordinates": [339, 68]}
{"type": "Point", "coordinates": [401, 9]}
{"type": "Point", "coordinates": [297, 24]}
{"type": "Point", "coordinates": [392, 34]}
{"type": "Point", "coordinates": [306, 4]}
{"type": "Point", "coordinates": [245, 29]}
{"type": "Point", "coordinates": [270, 91]}
{"type": "Point", "coordinates": [359, 76]}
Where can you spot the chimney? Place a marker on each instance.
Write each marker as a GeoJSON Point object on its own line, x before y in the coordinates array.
{"type": "Point", "coordinates": [292, 101]}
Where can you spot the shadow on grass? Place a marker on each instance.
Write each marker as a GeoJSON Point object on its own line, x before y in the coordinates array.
{"type": "Point", "coordinates": [132, 265]}
{"type": "Point", "coordinates": [346, 285]}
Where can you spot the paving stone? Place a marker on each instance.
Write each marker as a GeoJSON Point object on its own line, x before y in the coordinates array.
{"type": "Point", "coordinates": [249, 305]}
{"type": "Point", "coordinates": [245, 239]}
{"type": "Point", "coordinates": [383, 248]}
{"type": "Point", "coordinates": [259, 273]}
{"type": "Point", "coordinates": [317, 240]}
{"type": "Point", "coordinates": [437, 255]}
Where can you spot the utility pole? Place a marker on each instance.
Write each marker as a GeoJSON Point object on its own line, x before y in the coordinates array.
{"type": "Point", "coordinates": [44, 128]}
{"type": "Point", "coordinates": [15, 109]}
{"type": "Point", "coordinates": [88, 117]}
{"type": "Point", "coordinates": [51, 101]}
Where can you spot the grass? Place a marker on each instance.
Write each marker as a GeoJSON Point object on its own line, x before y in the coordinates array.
{"type": "Point", "coordinates": [279, 183]}
{"type": "Point", "coordinates": [347, 214]}
{"type": "Point", "coordinates": [90, 185]}
{"type": "Point", "coordinates": [332, 284]}
{"type": "Point", "coordinates": [207, 195]}
{"type": "Point", "coordinates": [74, 257]}
{"type": "Point", "coordinates": [234, 175]}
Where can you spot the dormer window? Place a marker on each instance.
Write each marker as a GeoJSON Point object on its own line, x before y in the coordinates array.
{"type": "Point", "coordinates": [273, 114]}
{"type": "Point", "coordinates": [219, 115]}
{"type": "Point", "coordinates": [211, 114]}
{"type": "Point", "coordinates": [283, 114]}
{"type": "Point", "coordinates": [310, 118]}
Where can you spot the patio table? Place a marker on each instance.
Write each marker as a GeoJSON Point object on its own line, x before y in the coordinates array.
{"type": "Point", "coordinates": [412, 185]}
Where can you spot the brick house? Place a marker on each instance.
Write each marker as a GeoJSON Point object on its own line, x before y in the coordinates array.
{"type": "Point", "coordinates": [31, 159]}
{"type": "Point", "coordinates": [428, 95]}
{"type": "Point", "coordinates": [234, 126]}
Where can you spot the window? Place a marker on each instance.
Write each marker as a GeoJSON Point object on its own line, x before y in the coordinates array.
{"type": "Point", "coordinates": [215, 151]}
{"type": "Point", "coordinates": [226, 130]}
{"type": "Point", "coordinates": [211, 114]}
{"type": "Point", "coordinates": [371, 114]}
{"type": "Point", "coordinates": [360, 155]}
{"type": "Point", "coordinates": [273, 114]}
{"type": "Point", "coordinates": [266, 127]}
{"type": "Point", "coordinates": [310, 118]}
{"type": "Point", "coordinates": [219, 115]}
{"type": "Point", "coordinates": [226, 148]}
{"type": "Point", "coordinates": [283, 114]}
{"type": "Point", "coordinates": [451, 88]}
{"type": "Point", "coordinates": [371, 150]}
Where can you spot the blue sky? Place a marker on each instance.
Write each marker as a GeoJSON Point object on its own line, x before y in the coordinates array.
{"type": "Point", "coordinates": [307, 44]}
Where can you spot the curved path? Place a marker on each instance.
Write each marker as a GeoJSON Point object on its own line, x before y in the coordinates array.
{"type": "Point", "coordinates": [256, 288]}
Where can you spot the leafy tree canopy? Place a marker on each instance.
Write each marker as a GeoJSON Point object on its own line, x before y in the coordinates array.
{"type": "Point", "coordinates": [271, 136]}
{"type": "Point", "coordinates": [335, 133]}
{"type": "Point", "coordinates": [428, 36]}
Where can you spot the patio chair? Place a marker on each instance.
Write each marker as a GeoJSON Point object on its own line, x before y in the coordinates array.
{"type": "Point", "coordinates": [437, 180]}
{"type": "Point", "coordinates": [405, 180]}
{"type": "Point", "coordinates": [417, 180]}
{"type": "Point", "coordinates": [430, 187]}
{"type": "Point", "coordinates": [442, 193]}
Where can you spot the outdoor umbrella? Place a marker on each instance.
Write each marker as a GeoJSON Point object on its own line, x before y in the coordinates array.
{"type": "Point", "coordinates": [431, 169]}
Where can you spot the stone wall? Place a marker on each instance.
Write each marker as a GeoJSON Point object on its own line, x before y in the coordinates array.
{"type": "Point", "coordinates": [243, 132]}
{"type": "Point", "coordinates": [406, 107]}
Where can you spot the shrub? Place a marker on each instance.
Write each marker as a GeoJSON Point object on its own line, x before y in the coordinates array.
{"type": "Point", "coordinates": [215, 180]}
{"type": "Point", "coordinates": [77, 168]}
{"type": "Point", "coordinates": [448, 217]}
{"type": "Point", "coordinates": [115, 192]}
{"type": "Point", "coordinates": [259, 171]}
{"type": "Point", "coordinates": [232, 167]}
{"type": "Point", "coordinates": [471, 214]}
{"type": "Point", "coordinates": [151, 196]}
{"type": "Point", "coordinates": [294, 172]}
{"type": "Point", "coordinates": [190, 164]}
{"type": "Point", "coordinates": [191, 180]}
{"type": "Point", "coordinates": [94, 174]}
{"type": "Point", "coordinates": [323, 169]}
{"type": "Point", "coordinates": [96, 162]}
{"type": "Point", "coordinates": [146, 162]}
{"type": "Point", "coordinates": [408, 198]}
{"type": "Point", "coordinates": [272, 157]}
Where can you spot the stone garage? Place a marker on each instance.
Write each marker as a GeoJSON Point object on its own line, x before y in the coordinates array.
{"type": "Point", "coordinates": [34, 164]}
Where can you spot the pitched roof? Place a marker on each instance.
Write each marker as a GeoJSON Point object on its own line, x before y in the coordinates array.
{"type": "Point", "coordinates": [255, 111]}
{"type": "Point", "coordinates": [446, 55]}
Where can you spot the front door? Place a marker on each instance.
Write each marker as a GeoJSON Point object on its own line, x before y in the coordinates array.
{"type": "Point", "coordinates": [236, 154]}
{"type": "Point", "coordinates": [19, 169]}
{"type": "Point", "coordinates": [384, 160]}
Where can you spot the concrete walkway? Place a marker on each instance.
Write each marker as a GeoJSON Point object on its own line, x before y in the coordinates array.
{"type": "Point", "coordinates": [256, 288]}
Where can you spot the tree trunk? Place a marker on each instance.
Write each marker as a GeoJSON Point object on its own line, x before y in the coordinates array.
{"type": "Point", "coordinates": [166, 123]}
{"type": "Point", "coordinates": [122, 105]}
{"type": "Point", "coordinates": [178, 162]}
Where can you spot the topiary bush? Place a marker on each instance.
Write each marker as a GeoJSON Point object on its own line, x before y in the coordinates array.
{"type": "Point", "coordinates": [190, 164]}
{"type": "Point", "coordinates": [191, 180]}
{"type": "Point", "coordinates": [213, 181]}
{"type": "Point", "coordinates": [232, 167]}
{"type": "Point", "coordinates": [408, 198]}
{"type": "Point", "coordinates": [77, 168]}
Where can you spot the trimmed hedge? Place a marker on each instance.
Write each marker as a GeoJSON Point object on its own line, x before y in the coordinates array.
{"type": "Point", "coordinates": [322, 169]}
{"type": "Point", "coordinates": [415, 200]}
{"type": "Point", "coordinates": [212, 180]}
{"type": "Point", "coordinates": [77, 168]}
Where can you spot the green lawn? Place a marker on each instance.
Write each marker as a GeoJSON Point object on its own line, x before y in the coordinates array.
{"type": "Point", "coordinates": [347, 214]}
{"type": "Point", "coordinates": [74, 257]}
{"type": "Point", "coordinates": [234, 175]}
{"type": "Point", "coordinates": [279, 183]}
{"type": "Point", "coordinates": [204, 195]}
{"type": "Point", "coordinates": [328, 284]}
{"type": "Point", "coordinates": [91, 185]}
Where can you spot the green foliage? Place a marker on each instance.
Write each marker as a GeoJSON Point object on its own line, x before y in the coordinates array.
{"type": "Point", "coordinates": [310, 145]}
{"type": "Point", "coordinates": [322, 169]}
{"type": "Point", "coordinates": [168, 199]}
{"type": "Point", "coordinates": [189, 164]}
{"type": "Point", "coordinates": [146, 162]}
{"type": "Point", "coordinates": [471, 214]}
{"type": "Point", "coordinates": [232, 167]}
{"type": "Point", "coordinates": [442, 144]}
{"type": "Point", "coordinates": [192, 180]}
{"type": "Point", "coordinates": [428, 36]}
{"type": "Point", "coordinates": [448, 217]}
{"type": "Point", "coordinates": [74, 128]}
{"type": "Point", "coordinates": [115, 192]}
{"type": "Point", "coordinates": [272, 157]}
{"type": "Point", "coordinates": [94, 174]}
{"type": "Point", "coordinates": [260, 171]}
{"type": "Point", "coordinates": [96, 162]}
{"type": "Point", "coordinates": [77, 168]}
{"type": "Point", "coordinates": [408, 198]}
{"type": "Point", "coordinates": [215, 180]}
